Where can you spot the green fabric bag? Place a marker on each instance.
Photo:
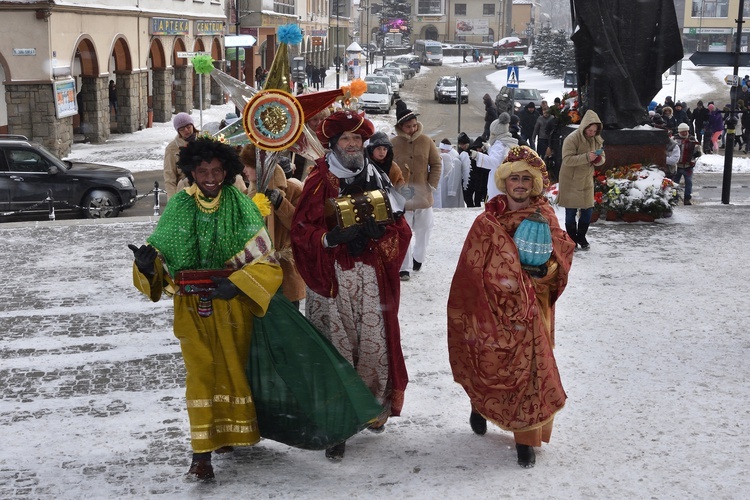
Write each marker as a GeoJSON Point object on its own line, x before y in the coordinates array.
{"type": "Point", "coordinates": [306, 394]}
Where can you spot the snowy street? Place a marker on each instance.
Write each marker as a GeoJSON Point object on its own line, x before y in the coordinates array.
{"type": "Point", "coordinates": [651, 343]}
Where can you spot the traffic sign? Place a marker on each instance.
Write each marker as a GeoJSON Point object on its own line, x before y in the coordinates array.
{"type": "Point", "coordinates": [512, 80]}
{"type": "Point", "coordinates": [239, 41]}
{"type": "Point", "coordinates": [190, 55]}
{"type": "Point", "coordinates": [719, 59]}
{"type": "Point", "coordinates": [733, 80]}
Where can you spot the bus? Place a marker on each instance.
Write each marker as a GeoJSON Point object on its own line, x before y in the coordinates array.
{"type": "Point", "coordinates": [430, 52]}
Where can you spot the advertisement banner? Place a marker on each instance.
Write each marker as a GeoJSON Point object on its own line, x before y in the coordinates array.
{"type": "Point", "coordinates": [472, 27]}
{"type": "Point", "coordinates": [65, 98]}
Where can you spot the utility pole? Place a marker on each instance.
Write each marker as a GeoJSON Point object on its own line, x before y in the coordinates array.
{"type": "Point", "coordinates": [732, 122]}
{"type": "Point", "coordinates": [338, 59]}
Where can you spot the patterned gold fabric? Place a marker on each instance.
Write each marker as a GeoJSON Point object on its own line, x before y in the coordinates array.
{"type": "Point", "coordinates": [501, 321]}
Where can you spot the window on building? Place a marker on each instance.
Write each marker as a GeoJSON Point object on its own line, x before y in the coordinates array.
{"type": "Point", "coordinates": [430, 7]}
{"type": "Point", "coordinates": [340, 6]}
{"type": "Point", "coordinates": [460, 9]}
{"type": "Point", "coordinates": [710, 8]}
{"type": "Point", "coordinates": [283, 6]}
{"type": "Point", "coordinates": [488, 9]}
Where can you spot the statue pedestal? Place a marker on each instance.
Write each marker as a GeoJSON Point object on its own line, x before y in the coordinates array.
{"type": "Point", "coordinates": [627, 146]}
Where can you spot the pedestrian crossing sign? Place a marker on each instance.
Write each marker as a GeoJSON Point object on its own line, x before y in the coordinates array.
{"type": "Point", "coordinates": [512, 77]}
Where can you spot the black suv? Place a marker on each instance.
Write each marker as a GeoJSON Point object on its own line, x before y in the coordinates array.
{"type": "Point", "coordinates": [28, 172]}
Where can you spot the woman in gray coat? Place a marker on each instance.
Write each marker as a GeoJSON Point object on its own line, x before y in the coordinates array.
{"type": "Point", "coordinates": [582, 151]}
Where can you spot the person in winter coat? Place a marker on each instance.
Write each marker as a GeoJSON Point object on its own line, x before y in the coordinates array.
{"type": "Point", "coordinates": [667, 114]}
{"type": "Point", "coordinates": [690, 150]}
{"type": "Point", "coordinates": [700, 117]}
{"type": "Point", "coordinates": [379, 151]}
{"type": "Point", "coordinates": [515, 130]}
{"type": "Point", "coordinates": [316, 78]}
{"type": "Point", "coordinates": [465, 145]}
{"type": "Point", "coordinates": [539, 137]}
{"type": "Point", "coordinates": [416, 152]}
{"type": "Point", "coordinates": [680, 115]}
{"type": "Point", "coordinates": [528, 117]}
{"type": "Point", "coordinates": [501, 141]}
{"type": "Point", "coordinates": [583, 150]}
{"type": "Point", "coordinates": [490, 115]}
{"type": "Point", "coordinates": [452, 177]}
{"type": "Point", "coordinates": [745, 122]}
{"type": "Point", "coordinates": [283, 194]}
{"type": "Point", "coordinates": [186, 132]}
{"type": "Point", "coordinates": [715, 126]}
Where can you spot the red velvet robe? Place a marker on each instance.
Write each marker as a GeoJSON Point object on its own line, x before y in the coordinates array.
{"type": "Point", "coordinates": [501, 320]}
{"type": "Point", "coordinates": [316, 264]}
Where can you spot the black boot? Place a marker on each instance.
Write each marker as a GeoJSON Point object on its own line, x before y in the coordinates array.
{"type": "Point", "coordinates": [572, 232]}
{"type": "Point", "coordinates": [478, 423]}
{"type": "Point", "coordinates": [336, 452]}
{"type": "Point", "coordinates": [526, 456]}
{"type": "Point", "coordinates": [201, 469]}
{"type": "Point", "coordinates": [582, 230]}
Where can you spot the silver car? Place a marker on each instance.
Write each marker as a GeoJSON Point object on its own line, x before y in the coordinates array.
{"type": "Point", "coordinates": [377, 98]}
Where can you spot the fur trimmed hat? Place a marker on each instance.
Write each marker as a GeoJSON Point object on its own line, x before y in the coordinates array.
{"type": "Point", "coordinates": [344, 121]}
{"type": "Point", "coordinates": [519, 159]}
{"type": "Point", "coordinates": [403, 114]}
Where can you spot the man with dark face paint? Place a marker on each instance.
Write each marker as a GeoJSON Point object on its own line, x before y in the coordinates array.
{"type": "Point", "coordinates": [352, 273]}
{"type": "Point", "coordinates": [212, 226]}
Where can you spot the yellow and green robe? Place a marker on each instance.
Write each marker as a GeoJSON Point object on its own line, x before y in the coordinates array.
{"type": "Point", "coordinates": [226, 232]}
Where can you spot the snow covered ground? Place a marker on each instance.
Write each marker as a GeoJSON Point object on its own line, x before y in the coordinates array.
{"type": "Point", "coordinates": [651, 343]}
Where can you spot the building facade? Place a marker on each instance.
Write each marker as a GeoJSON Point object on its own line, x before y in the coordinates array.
{"type": "Point", "coordinates": [711, 25]}
{"type": "Point", "coordinates": [58, 57]}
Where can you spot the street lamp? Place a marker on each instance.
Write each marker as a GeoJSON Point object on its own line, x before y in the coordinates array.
{"type": "Point", "coordinates": [338, 59]}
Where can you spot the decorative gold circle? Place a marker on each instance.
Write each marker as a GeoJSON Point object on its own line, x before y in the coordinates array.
{"type": "Point", "coordinates": [273, 119]}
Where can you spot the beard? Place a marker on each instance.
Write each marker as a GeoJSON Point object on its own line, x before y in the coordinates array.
{"type": "Point", "coordinates": [350, 160]}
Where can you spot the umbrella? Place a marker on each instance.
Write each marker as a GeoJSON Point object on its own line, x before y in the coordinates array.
{"type": "Point", "coordinates": [507, 42]}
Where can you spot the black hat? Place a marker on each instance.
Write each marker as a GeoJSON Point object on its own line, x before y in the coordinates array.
{"type": "Point", "coordinates": [514, 120]}
{"type": "Point", "coordinates": [531, 105]}
{"type": "Point", "coordinates": [403, 114]}
{"type": "Point", "coordinates": [463, 138]}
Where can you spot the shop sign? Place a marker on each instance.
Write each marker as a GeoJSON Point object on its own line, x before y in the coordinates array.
{"type": "Point", "coordinates": [209, 27]}
{"type": "Point", "coordinates": [169, 26]}
{"type": "Point", "coordinates": [24, 52]}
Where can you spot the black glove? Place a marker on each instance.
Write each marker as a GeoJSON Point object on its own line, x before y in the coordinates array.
{"type": "Point", "coordinates": [144, 258]}
{"type": "Point", "coordinates": [337, 236]}
{"type": "Point", "coordinates": [372, 230]}
{"type": "Point", "coordinates": [407, 192]}
{"type": "Point", "coordinates": [536, 271]}
{"type": "Point", "coordinates": [225, 289]}
{"type": "Point", "coordinates": [275, 197]}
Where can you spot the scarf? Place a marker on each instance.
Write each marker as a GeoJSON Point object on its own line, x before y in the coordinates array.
{"type": "Point", "coordinates": [196, 232]}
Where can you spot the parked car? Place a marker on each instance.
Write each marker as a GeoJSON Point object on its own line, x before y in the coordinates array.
{"type": "Point", "coordinates": [505, 61]}
{"type": "Point", "coordinates": [521, 98]}
{"type": "Point", "coordinates": [28, 173]}
{"type": "Point", "coordinates": [412, 61]}
{"type": "Point", "coordinates": [445, 90]}
{"type": "Point", "coordinates": [407, 70]}
{"type": "Point", "coordinates": [395, 71]}
{"type": "Point", "coordinates": [377, 98]}
{"type": "Point", "coordinates": [392, 84]}
{"type": "Point", "coordinates": [462, 46]}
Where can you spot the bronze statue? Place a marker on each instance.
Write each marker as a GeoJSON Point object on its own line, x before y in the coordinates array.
{"type": "Point", "coordinates": [622, 49]}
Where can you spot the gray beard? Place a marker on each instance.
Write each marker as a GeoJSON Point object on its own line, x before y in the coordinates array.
{"type": "Point", "coordinates": [350, 161]}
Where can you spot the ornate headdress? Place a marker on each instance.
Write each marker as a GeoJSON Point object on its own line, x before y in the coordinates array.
{"type": "Point", "coordinates": [522, 158]}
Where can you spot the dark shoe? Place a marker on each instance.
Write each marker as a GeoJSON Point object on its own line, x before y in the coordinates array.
{"type": "Point", "coordinates": [526, 456]}
{"type": "Point", "coordinates": [377, 429]}
{"type": "Point", "coordinates": [478, 423]}
{"type": "Point", "coordinates": [417, 265]}
{"type": "Point", "coordinates": [688, 202]}
{"type": "Point", "coordinates": [200, 471]}
{"type": "Point", "coordinates": [404, 275]}
{"type": "Point", "coordinates": [224, 449]}
{"type": "Point", "coordinates": [584, 244]}
{"type": "Point", "coordinates": [572, 231]}
{"type": "Point", "coordinates": [336, 453]}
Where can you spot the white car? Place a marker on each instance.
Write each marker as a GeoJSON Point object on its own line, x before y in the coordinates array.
{"type": "Point", "coordinates": [377, 98]}
{"type": "Point", "coordinates": [445, 90]}
{"type": "Point", "coordinates": [386, 79]}
{"type": "Point", "coordinates": [395, 71]}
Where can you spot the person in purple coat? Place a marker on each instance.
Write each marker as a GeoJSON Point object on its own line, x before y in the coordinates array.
{"type": "Point", "coordinates": [715, 125]}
